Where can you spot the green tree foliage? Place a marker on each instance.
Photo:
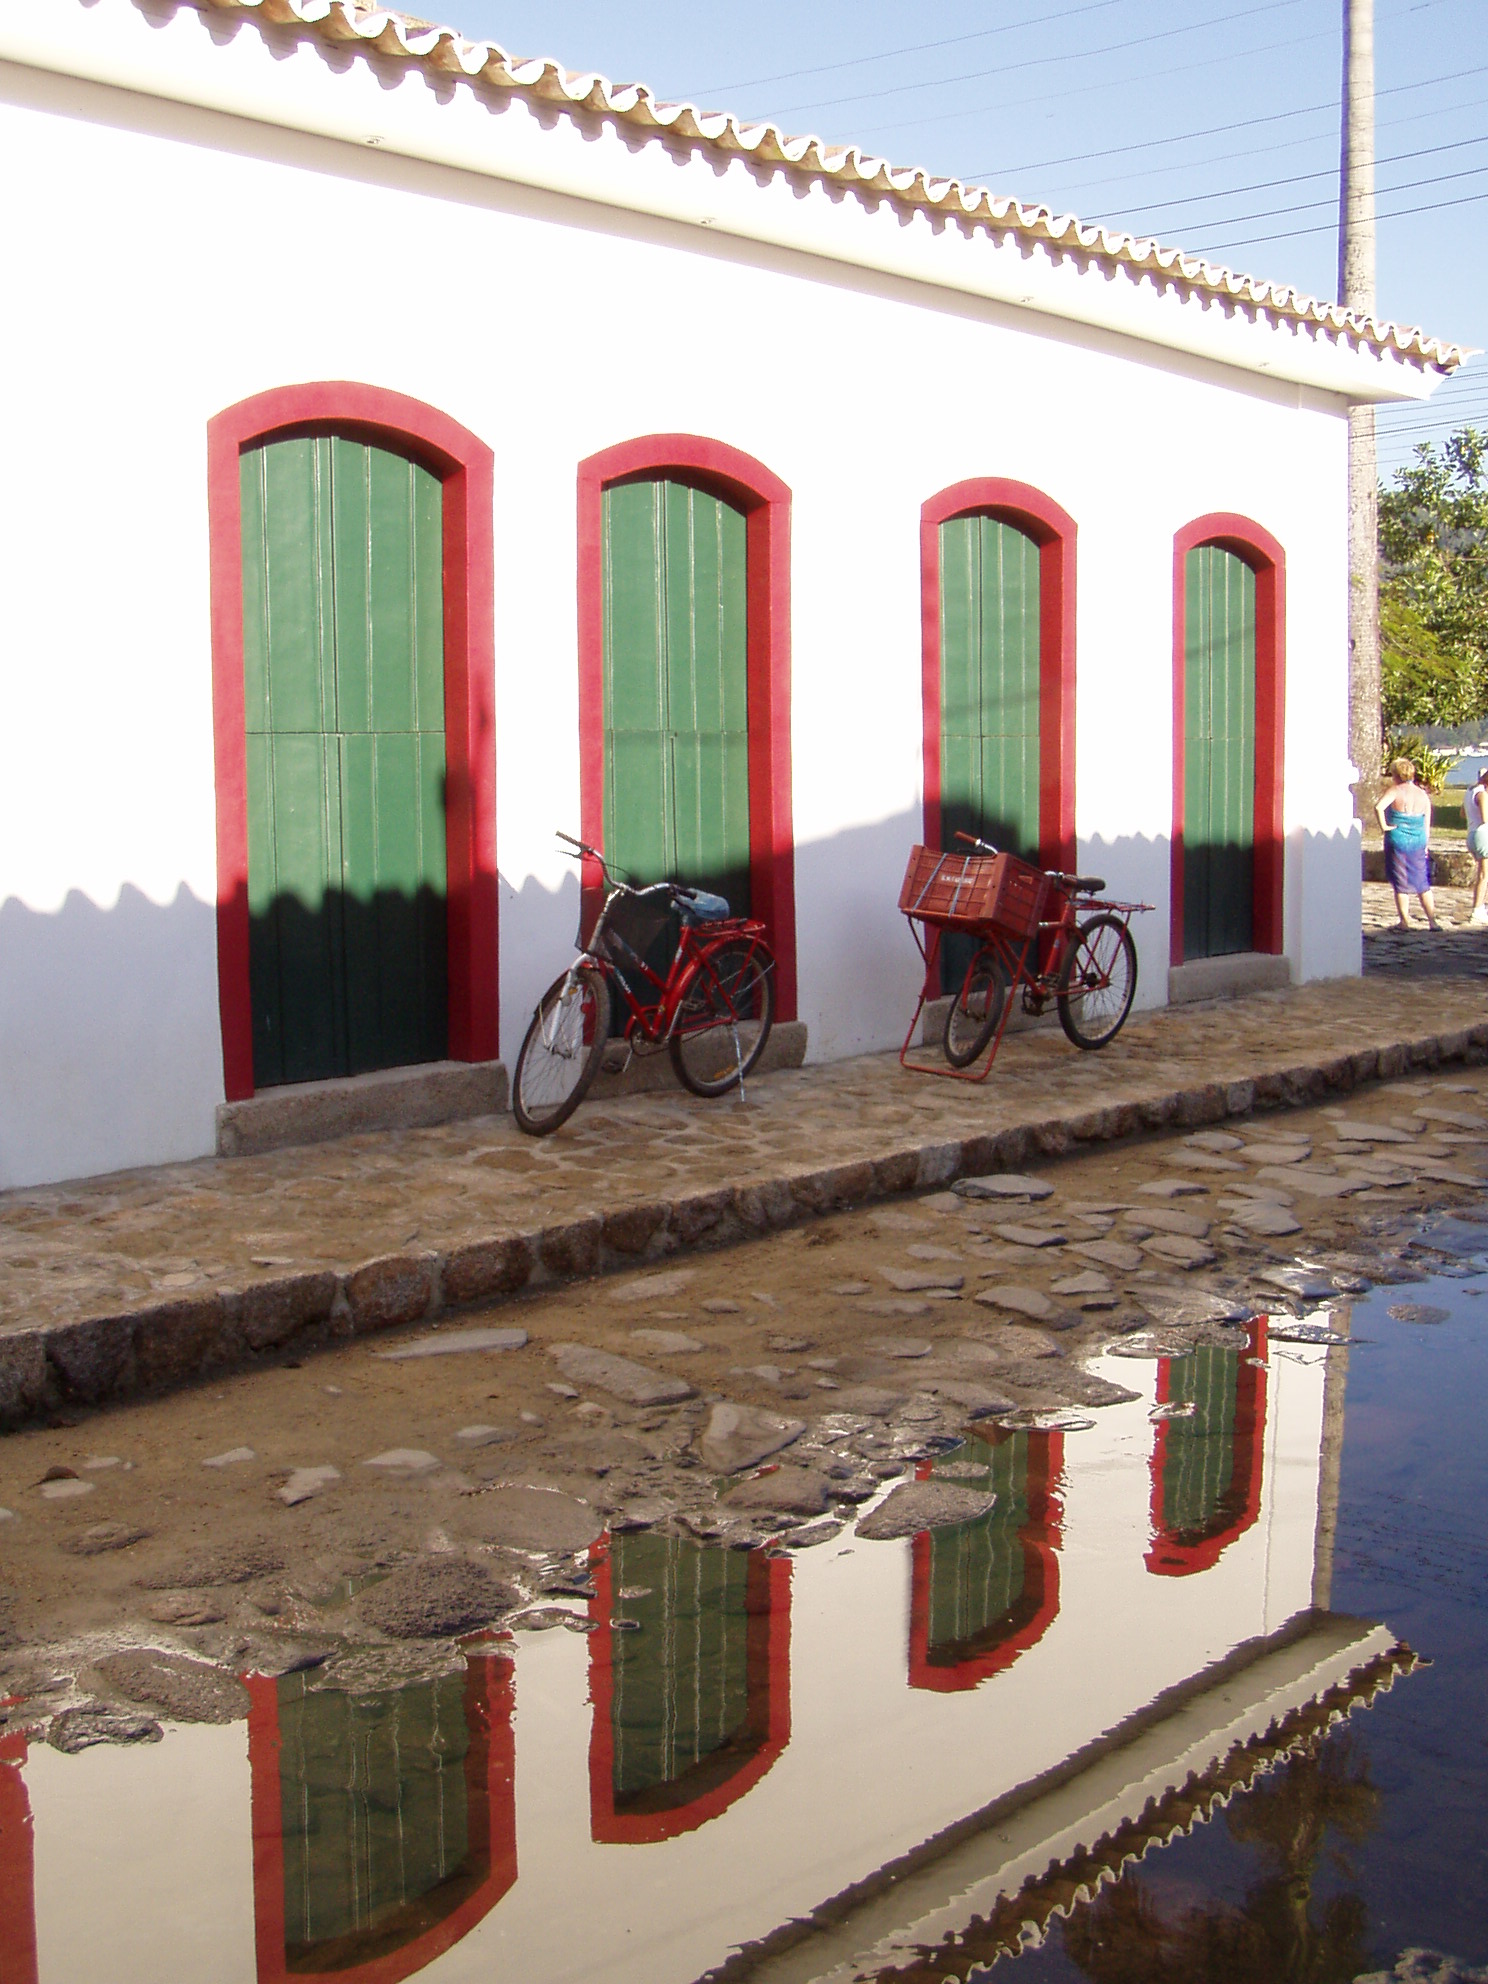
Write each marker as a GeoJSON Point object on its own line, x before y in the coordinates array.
{"type": "Point", "coordinates": [1433, 537]}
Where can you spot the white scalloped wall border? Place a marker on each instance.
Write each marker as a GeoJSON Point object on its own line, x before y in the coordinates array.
{"type": "Point", "coordinates": [444, 51]}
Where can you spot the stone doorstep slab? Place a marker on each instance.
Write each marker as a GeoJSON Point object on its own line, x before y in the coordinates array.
{"type": "Point", "coordinates": [413, 1098]}
{"type": "Point", "coordinates": [103, 1359]}
{"type": "Point", "coordinates": [786, 1048]}
{"type": "Point", "coordinates": [1230, 977]}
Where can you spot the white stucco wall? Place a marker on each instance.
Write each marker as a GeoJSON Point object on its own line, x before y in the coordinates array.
{"type": "Point", "coordinates": [169, 262]}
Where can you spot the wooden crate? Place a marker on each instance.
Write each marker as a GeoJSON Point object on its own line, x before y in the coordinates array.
{"type": "Point", "coordinates": [967, 891]}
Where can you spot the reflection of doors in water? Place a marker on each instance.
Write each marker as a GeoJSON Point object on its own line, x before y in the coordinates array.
{"type": "Point", "coordinates": [343, 643]}
{"type": "Point", "coordinates": [1206, 1464]}
{"type": "Point", "coordinates": [1219, 753]}
{"type": "Point", "coordinates": [17, 1872]}
{"type": "Point", "coordinates": [983, 1592]}
{"type": "Point", "coordinates": [692, 1704]}
{"type": "Point", "coordinates": [676, 696]}
{"type": "Point", "coordinates": [384, 1826]}
{"type": "Point", "coordinates": [989, 695]}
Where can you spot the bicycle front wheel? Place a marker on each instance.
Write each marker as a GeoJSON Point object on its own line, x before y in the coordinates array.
{"type": "Point", "coordinates": [724, 1018]}
{"type": "Point", "coordinates": [1097, 982]}
{"type": "Point", "coordinates": [561, 1055]}
{"type": "Point", "coordinates": [976, 1011]}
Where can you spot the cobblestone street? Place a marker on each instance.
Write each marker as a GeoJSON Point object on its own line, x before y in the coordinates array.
{"type": "Point", "coordinates": [155, 1277]}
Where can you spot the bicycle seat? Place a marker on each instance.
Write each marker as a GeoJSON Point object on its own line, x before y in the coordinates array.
{"type": "Point", "coordinates": [1085, 885]}
{"type": "Point", "coordinates": [698, 906]}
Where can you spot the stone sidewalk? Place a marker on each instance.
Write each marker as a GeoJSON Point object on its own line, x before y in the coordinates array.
{"type": "Point", "coordinates": [154, 1278]}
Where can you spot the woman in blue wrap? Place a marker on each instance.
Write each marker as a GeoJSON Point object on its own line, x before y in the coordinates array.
{"type": "Point", "coordinates": [1404, 811]}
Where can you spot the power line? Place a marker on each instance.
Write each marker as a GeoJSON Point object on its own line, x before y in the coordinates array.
{"type": "Point", "coordinates": [1323, 172]}
{"type": "Point", "coordinates": [1092, 89]}
{"type": "Point", "coordinates": [1312, 206]}
{"type": "Point", "coordinates": [1327, 227]}
{"type": "Point", "coordinates": [1044, 61]}
{"type": "Point", "coordinates": [1437, 111]}
{"type": "Point", "coordinates": [913, 48]}
{"type": "Point", "coordinates": [1220, 130]}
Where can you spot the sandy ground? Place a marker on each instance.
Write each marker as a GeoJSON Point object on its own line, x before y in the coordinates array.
{"type": "Point", "coordinates": [191, 1525]}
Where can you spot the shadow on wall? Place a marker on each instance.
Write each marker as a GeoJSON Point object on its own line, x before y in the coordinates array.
{"type": "Point", "coordinates": [110, 1043]}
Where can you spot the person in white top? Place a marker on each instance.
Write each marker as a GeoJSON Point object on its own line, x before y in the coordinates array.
{"type": "Point", "coordinates": [1475, 806]}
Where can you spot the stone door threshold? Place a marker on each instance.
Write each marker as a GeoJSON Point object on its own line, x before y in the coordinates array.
{"type": "Point", "coordinates": [391, 1099]}
{"type": "Point", "coordinates": [786, 1048]}
{"type": "Point", "coordinates": [1227, 978]}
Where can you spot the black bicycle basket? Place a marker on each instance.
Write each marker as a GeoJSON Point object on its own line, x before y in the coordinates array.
{"type": "Point", "coordinates": [645, 929]}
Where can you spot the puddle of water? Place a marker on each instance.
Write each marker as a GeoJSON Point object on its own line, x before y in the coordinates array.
{"type": "Point", "coordinates": [884, 1760]}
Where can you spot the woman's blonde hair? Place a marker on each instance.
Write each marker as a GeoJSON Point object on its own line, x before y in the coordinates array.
{"type": "Point", "coordinates": [1404, 770]}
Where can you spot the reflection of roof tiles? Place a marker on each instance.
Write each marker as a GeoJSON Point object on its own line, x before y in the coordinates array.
{"type": "Point", "coordinates": [1022, 1919]}
{"type": "Point", "coordinates": [405, 38]}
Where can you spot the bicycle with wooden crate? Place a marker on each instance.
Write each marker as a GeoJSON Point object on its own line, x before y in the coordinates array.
{"type": "Point", "coordinates": [1035, 934]}
{"type": "Point", "coordinates": [711, 1005]}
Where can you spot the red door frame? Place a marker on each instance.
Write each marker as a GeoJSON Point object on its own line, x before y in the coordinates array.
{"type": "Point", "coordinates": [766, 502]}
{"type": "Point", "coordinates": [1168, 1555]}
{"type": "Point", "coordinates": [1263, 553]}
{"type": "Point", "coordinates": [769, 1662]}
{"type": "Point", "coordinates": [1053, 530]}
{"type": "Point", "coordinates": [465, 466]}
{"type": "Point", "coordinates": [1041, 1540]}
{"type": "Point", "coordinates": [490, 1779]}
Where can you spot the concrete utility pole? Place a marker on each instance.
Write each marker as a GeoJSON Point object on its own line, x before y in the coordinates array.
{"type": "Point", "coordinates": [1356, 277]}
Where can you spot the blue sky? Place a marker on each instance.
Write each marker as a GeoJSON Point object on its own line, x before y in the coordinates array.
{"type": "Point", "coordinates": [1212, 124]}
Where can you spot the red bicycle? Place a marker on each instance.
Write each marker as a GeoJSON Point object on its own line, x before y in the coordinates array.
{"type": "Point", "coordinates": [712, 1008]}
{"type": "Point", "coordinates": [1034, 934]}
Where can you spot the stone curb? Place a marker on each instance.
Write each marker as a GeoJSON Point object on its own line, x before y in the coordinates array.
{"type": "Point", "coordinates": [103, 1359]}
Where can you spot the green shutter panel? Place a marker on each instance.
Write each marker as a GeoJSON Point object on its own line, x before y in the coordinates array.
{"type": "Point", "coordinates": [344, 701]}
{"type": "Point", "coordinates": [1219, 753]}
{"type": "Point", "coordinates": [676, 734]}
{"type": "Point", "coordinates": [989, 683]}
{"type": "Point", "coordinates": [989, 695]}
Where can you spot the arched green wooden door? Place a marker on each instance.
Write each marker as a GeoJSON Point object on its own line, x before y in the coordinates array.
{"type": "Point", "coordinates": [1219, 753]}
{"type": "Point", "coordinates": [676, 693]}
{"type": "Point", "coordinates": [989, 695]}
{"type": "Point", "coordinates": [343, 642]}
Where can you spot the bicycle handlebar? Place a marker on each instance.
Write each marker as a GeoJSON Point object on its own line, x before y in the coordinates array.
{"type": "Point", "coordinates": [974, 840]}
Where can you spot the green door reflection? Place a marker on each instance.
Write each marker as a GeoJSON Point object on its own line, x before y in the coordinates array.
{"type": "Point", "coordinates": [692, 1701]}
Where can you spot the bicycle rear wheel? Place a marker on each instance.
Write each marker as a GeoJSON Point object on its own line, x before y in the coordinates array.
{"type": "Point", "coordinates": [561, 1055]}
{"type": "Point", "coordinates": [976, 1011]}
{"type": "Point", "coordinates": [725, 1017]}
{"type": "Point", "coordinates": [1097, 982]}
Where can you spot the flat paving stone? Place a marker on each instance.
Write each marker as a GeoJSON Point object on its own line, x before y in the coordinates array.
{"type": "Point", "coordinates": [1109, 1253]}
{"type": "Point", "coordinates": [911, 1281]}
{"type": "Point", "coordinates": [633, 1383]}
{"type": "Point", "coordinates": [740, 1436]}
{"type": "Point", "coordinates": [1031, 1302]}
{"type": "Point", "coordinates": [1172, 1188]}
{"type": "Point", "coordinates": [918, 1505]}
{"type": "Point", "coordinates": [1031, 1236]}
{"type": "Point", "coordinates": [667, 1343]}
{"type": "Point", "coordinates": [454, 1343]}
{"type": "Point", "coordinates": [1004, 1185]}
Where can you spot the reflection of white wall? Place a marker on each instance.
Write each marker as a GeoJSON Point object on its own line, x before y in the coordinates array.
{"type": "Point", "coordinates": [874, 1767]}
{"type": "Point", "coordinates": [230, 257]}
{"type": "Point", "coordinates": [143, 1856]}
{"type": "Point", "coordinates": [144, 1861]}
